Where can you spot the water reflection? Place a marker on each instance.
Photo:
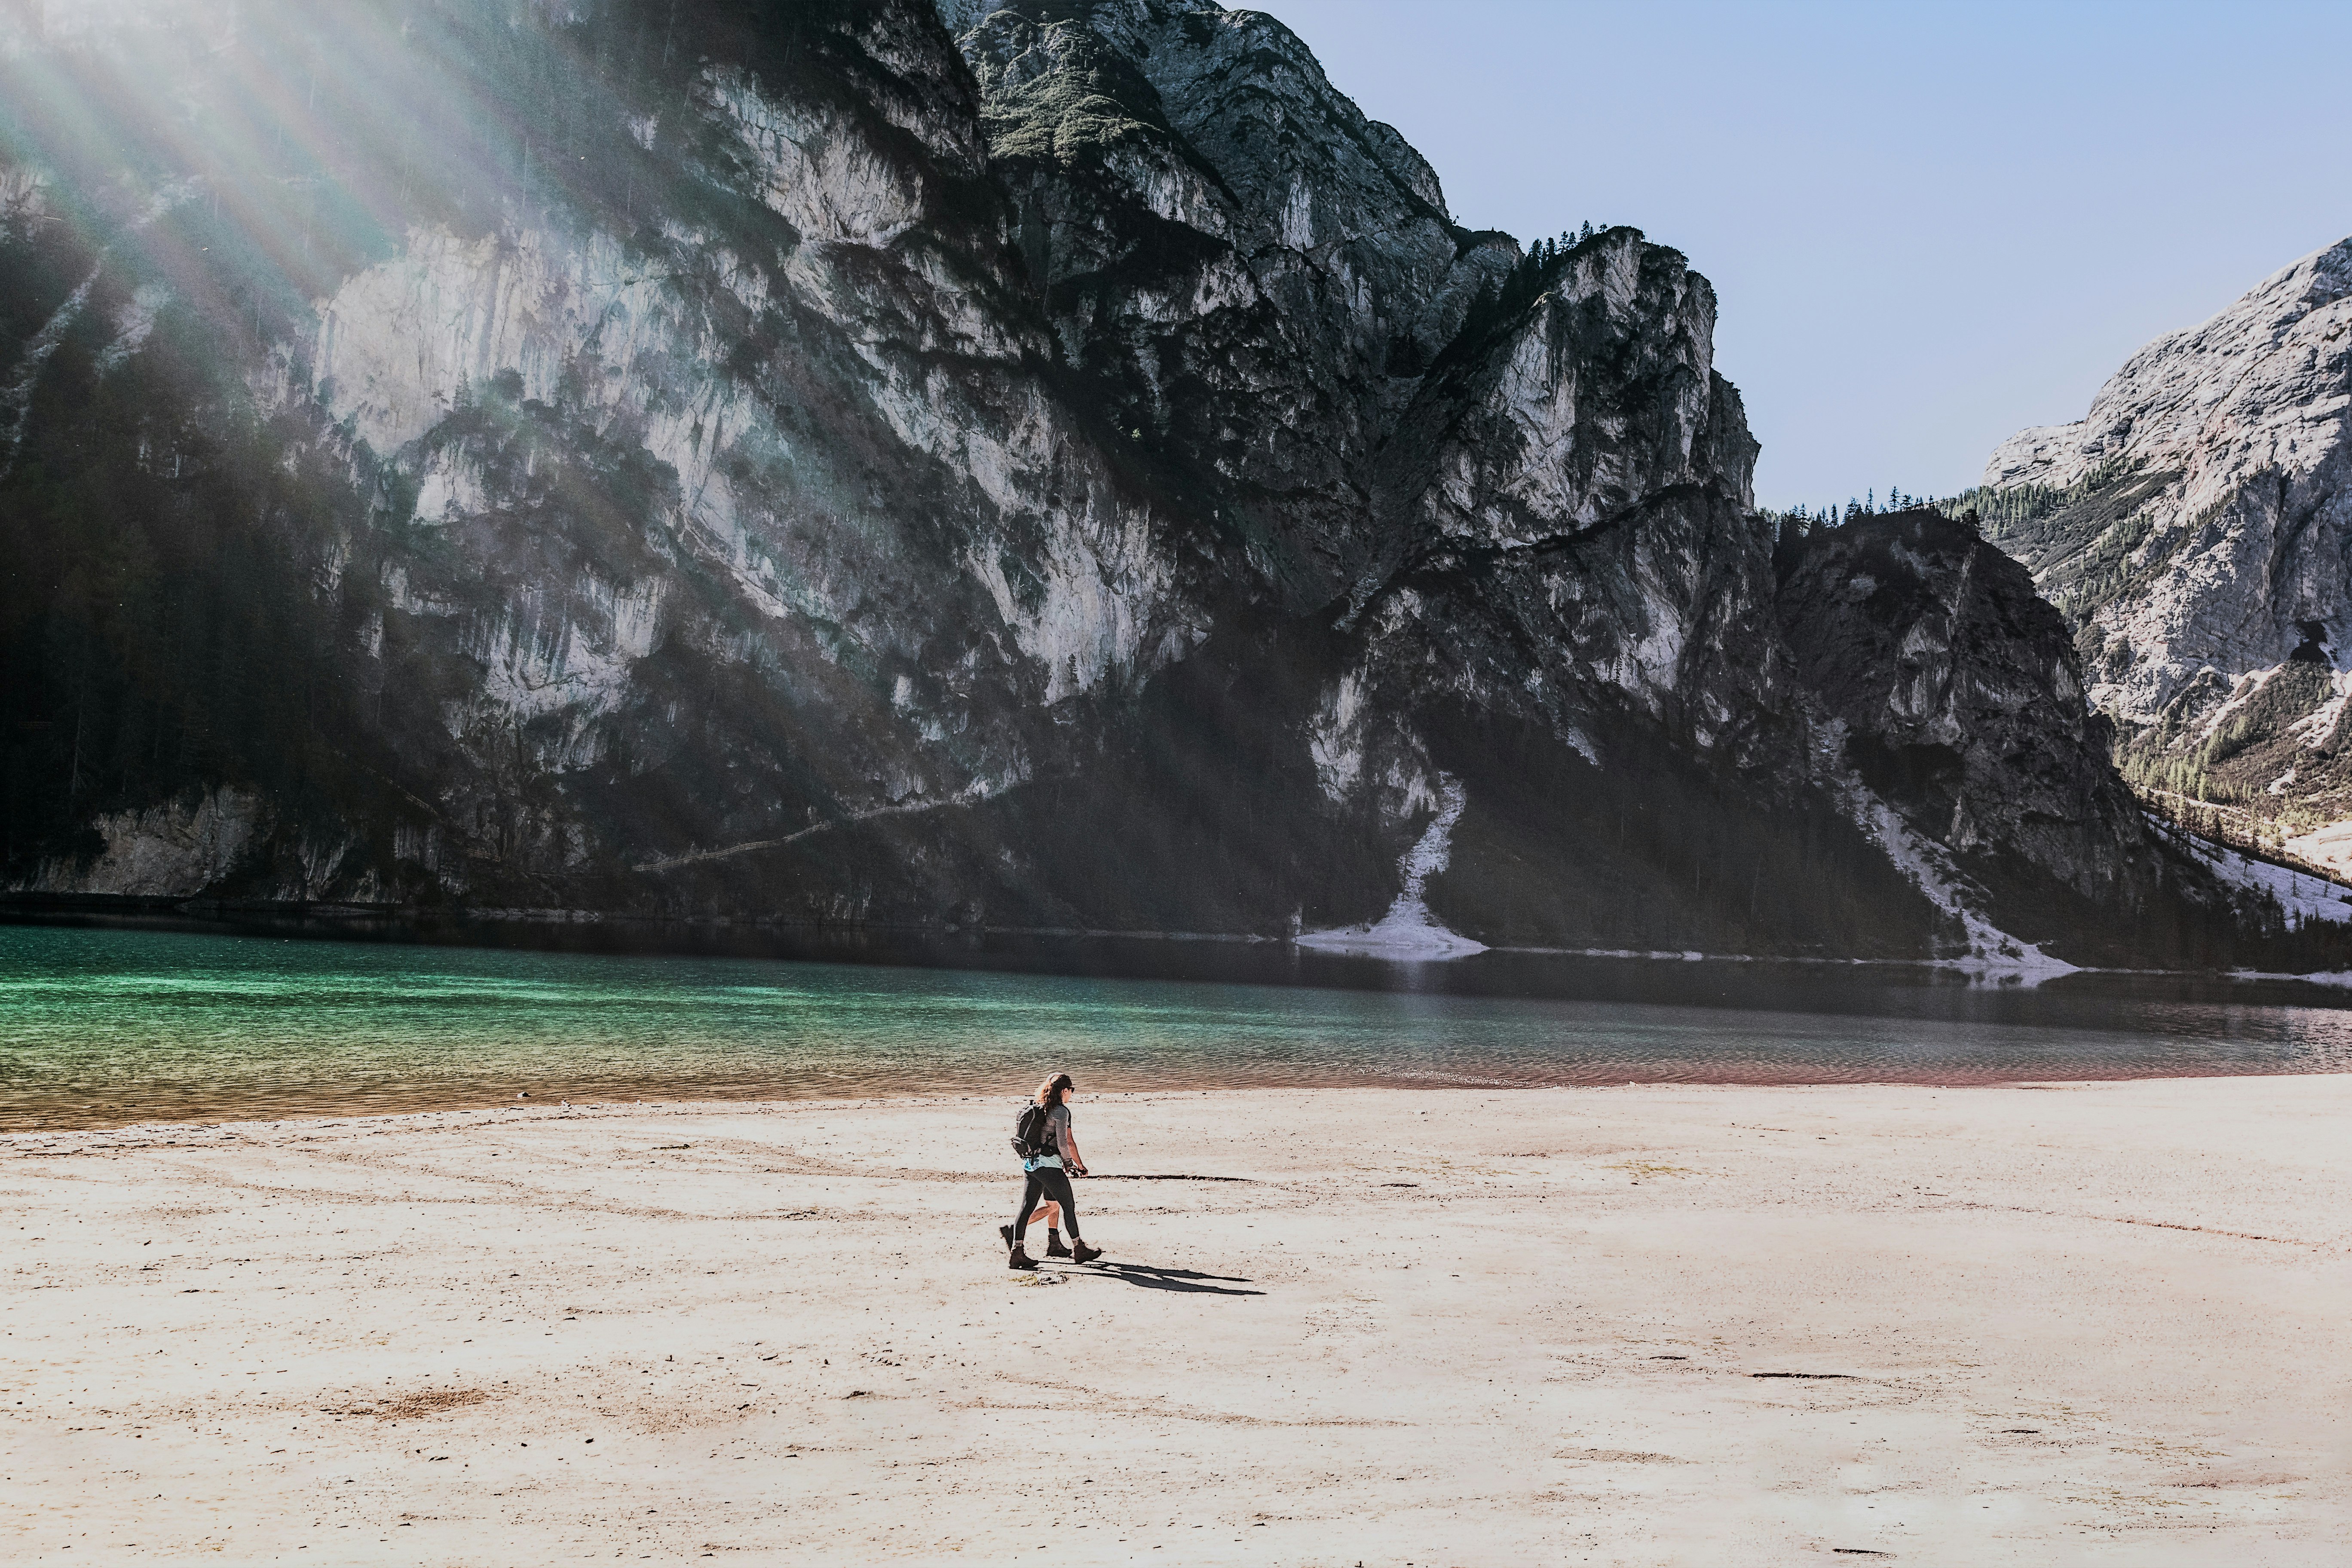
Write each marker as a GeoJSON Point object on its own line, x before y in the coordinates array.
{"type": "Point", "coordinates": [105, 1026]}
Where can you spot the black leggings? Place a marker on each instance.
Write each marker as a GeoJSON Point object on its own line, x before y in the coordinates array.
{"type": "Point", "coordinates": [1047, 1184]}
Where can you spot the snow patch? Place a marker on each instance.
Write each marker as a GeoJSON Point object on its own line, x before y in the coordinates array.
{"type": "Point", "coordinates": [1929, 866]}
{"type": "Point", "coordinates": [2303, 895]}
{"type": "Point", "coordinates": [1407, 932]}
{"type": "Point", "coordinates": [2316, 728]}
{"type": "Point", "coordinates": [2328, 847]}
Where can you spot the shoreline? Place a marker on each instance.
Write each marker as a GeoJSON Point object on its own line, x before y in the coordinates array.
{"type": "Point", "coordinates": [1636, 1325]}
{"type": "Point", "coordinates": [556, 1108]}
{"type": "Point", "coordinates": [933, 946]}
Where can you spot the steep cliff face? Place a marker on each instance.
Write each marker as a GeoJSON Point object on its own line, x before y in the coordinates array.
{"type": "Point", "coordinates": [693, 484]}
{"type": "Point", "coordinates": [2196, 528]}
{"type": "Point", "coordinates": [1952, 691]}
{"type": "Point", "coordinates": [1254, 273]}
{"type": "Point", "coordinates": [1026, 463]}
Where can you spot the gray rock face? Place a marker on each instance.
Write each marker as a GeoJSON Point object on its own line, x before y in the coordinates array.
{"type": "Point", "coordinates": [1026, 463]}
{"type": "Point", "coordinates": [1955, 690]}
{"type": "Point", "coordinates": [2198, 528]}
{"type": "Point", "coordinates": [1256, 271]}
{"type": "Point", "coordinates": [1620, 547]}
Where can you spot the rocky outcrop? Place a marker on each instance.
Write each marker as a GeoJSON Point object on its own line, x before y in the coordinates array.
{"type": "Point", "coordinates": [1020, 464]}
{"type": "Point", "coordinates": [2197, 529]}
{"type": "Point", "coordinates": [1957, 689]}
{"type": "Point", "coordinates": [1254, 273]}
{"type": "Point", "coordinates": [1952, 692]}
{"type": "Point", "coordinates": [173, 850]}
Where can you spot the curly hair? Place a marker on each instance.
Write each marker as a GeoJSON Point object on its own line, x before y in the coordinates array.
{"type": "Point", "coordinates": [1049, 1092]}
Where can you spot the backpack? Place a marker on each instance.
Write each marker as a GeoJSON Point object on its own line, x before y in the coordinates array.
{"type": "Point", "coordinates": [1031, 1131]}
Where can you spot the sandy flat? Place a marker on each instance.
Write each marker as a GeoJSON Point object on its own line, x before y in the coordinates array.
{"type": "Point", "coordinates": [2079, 1324]}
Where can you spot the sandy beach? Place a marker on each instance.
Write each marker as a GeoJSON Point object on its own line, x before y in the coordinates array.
{"type": "Point", "coordinates": [2073, 1324]}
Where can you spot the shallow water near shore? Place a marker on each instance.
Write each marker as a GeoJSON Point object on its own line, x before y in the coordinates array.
{"type": "Point", "coordinates": [104, 1027]}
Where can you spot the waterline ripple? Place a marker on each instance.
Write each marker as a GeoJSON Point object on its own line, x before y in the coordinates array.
{"type": "Point", "coordinates": [104, 1027]}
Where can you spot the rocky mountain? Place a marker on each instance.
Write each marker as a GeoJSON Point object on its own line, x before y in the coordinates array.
{"type": "Point", "coordinates": [2197, 529]}
{"type": "Point", "coordinates": [1950, 681]}
{"type": "Point", "coordinates": [1030, 464]}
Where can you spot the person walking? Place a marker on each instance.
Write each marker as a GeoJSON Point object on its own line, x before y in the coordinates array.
{"type": "Point", "coordinates": [1049, 1153]}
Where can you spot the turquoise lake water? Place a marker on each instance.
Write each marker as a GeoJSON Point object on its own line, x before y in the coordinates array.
{"type": "Point", "coordinates": [102, 1027]}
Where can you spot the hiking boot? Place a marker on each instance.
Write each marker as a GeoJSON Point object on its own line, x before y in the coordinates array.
{"type": "Point", "coordinates": [1020, 1260]}
{"type": "Point", "coordinates": [1053, 1247]}
{"type": "Point", "coordinates": [1085, 1254]}
{"type": "Point", "coordinates": [1006, 1232]}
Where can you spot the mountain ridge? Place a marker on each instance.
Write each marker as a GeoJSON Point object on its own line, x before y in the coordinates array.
{"type": "Point", "coordinates": [1035, 464]}
{"type": "Point", "coordinates": [2195, 525]}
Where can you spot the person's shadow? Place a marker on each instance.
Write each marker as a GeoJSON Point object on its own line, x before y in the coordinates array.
{"type": "Point", "coordinates": [1190, 1281]}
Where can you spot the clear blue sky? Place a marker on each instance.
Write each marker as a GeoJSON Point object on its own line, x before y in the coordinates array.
{"type": "Point", "coordinates": [1930, 224]}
